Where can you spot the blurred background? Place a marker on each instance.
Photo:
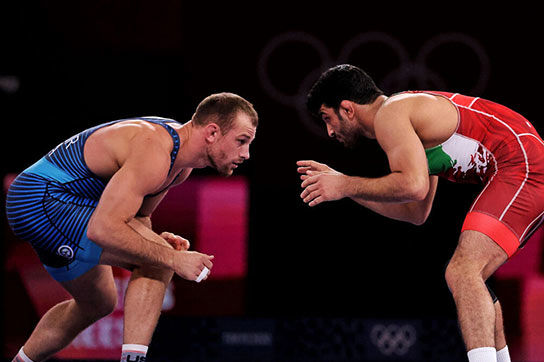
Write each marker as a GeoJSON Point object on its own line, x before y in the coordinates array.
{"type": "Point", "coordinates": [293, 283]}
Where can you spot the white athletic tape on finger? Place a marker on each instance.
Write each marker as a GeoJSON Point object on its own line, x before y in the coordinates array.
{"type": "Point", "coordinates": [202, 275]}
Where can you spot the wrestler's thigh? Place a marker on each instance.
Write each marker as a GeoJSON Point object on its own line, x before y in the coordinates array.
{"type": "Point", "coordinates": [94, 288]}
{"type": "Point", "coordinates": [478, 252]}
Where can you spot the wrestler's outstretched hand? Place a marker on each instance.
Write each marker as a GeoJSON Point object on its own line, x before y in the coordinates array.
{"type": "Point", "coordinates": [305, 166]}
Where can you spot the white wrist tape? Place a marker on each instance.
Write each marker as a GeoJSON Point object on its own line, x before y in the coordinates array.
{"type": "Point", "coordinates": [202, 275]}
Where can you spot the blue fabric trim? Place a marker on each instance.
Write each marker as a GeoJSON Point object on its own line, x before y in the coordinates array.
{"type": "Point", "coordinates": [49, 171]}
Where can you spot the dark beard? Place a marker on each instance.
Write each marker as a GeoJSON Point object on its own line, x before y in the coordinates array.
{"type": "Point", "coordinates": [354, 141]}
{"type": "Point", "coordinates": [355, 138]}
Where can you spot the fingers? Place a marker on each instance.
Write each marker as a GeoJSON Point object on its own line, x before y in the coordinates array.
{"type": "Point", "coordinates": [311, 173]}
{"type": "Point", "coordinates": [308, 163]}
{"type": "Point", "coordinates": [185, 244]}
{"type": "Point", "coordinates": [208, 263]}
{"type": "Point", "coordinates": [204, 270]}
{"type": "Point", "coordinates": [311, 189]}
{"type": "Point", "coordinates": [307, 191]}
{"type": "Point", "coordinates": [176, 241]}
{"type": "Point", "coordinates": [311, 179]}
{"type": "Point", "coordinates": [314, 192]}
{"type": "Point", "coordinates": [303, 170]}
{"type": "Point", "coordinates": [307, 175]}
{"type": "Point", "coordinates": [305, 165]}
{"type": "Point", "coordinates": [203, 275]}
{"type": "Point", "coordinates": [312, 196]}
{"type": "Point", "coordinates": [319, 199]}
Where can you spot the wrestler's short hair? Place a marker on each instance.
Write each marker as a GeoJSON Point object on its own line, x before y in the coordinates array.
{"type": "Point", "coordinates": [342, 82]}
{"type": "Point", "coordinates": [222, 108]}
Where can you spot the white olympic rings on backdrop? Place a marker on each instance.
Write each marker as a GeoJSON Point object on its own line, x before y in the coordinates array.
{"type": "Point", "coordinates": [393, 339]}
{"type": "Point", "coordinates": [415, 69]}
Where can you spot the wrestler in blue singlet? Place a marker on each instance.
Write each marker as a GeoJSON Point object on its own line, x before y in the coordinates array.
{"type": "Point", "coordinates": [50, 204]}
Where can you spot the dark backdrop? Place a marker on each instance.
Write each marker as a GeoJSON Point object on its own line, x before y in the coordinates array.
{"type": "Point", "coordinates": [68, 65]}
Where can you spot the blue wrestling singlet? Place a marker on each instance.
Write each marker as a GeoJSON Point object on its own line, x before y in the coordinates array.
{"type": "Point", "coordinates": [50, 203]}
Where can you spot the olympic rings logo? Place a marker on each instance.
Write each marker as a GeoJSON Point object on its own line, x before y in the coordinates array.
{"type": "Point", "coordinates": [393, 339]}
{"type": "Point", "coordinates": [416, 69]}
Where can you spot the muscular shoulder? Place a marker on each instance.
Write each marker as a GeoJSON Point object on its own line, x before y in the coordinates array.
{"type": "Point", "coordinates": [409, 102]}
{"type": "Point", "coordinates": [414, 106]}
{"type": "Point", "coordinates": [136, 130]}
{"type": "Point", "coordinates": [395, 109]}
{"type": "Point", "coordinates": [432, 117]}
{"type": "Point", "coordinates": [146, 142]}
{"type": "Point", "coordinates": [134, 141]}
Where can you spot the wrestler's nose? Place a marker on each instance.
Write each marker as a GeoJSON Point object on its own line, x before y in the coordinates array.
{"type": "Point", "coordinates": [245, 153]}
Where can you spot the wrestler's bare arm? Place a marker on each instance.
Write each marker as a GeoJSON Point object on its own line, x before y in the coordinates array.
{"type": "Point", "coordinates": [415, 212]}
{"type": "Point", "coordinates": [146, 210]}
{"type": "Point", "coordinates": [408, 180]}
{"type": "Point", "coordinates": [407, 161]}
{"type": "Point", "coordinates": [142, 172]}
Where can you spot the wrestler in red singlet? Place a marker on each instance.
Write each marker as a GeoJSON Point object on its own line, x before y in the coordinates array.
{"type": "Point", "coordinates": [498, 147]}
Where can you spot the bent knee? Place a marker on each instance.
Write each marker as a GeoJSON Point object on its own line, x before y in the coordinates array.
{"type": "Point", "coordinates": [458, 273]}
{"type": "Point", "coordinates": [451, 275]}
{"type": "Point", "coordinates": [106, 308]}
{"type": "Point", "coordinates": [107, 305]}
{"type": "Point", "coordinates": [103, 305]}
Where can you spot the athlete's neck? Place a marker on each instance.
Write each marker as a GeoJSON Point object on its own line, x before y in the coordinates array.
{"type": "Point", "coordinates": [366, 114]}
{"type": "Point", "coordinates": [191, 148]}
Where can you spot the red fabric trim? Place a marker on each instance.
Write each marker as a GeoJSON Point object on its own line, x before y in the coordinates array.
{"type": "Point", "coordinates": [495, 229]}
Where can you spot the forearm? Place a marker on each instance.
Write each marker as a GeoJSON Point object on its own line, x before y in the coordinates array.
{"type": "Point", "coordinates": [392, 188]}
{"type": "Point", "coordinates": [407, 212]}
{"type": "Point", "coordinates": [415, 212]}
{"type": "Point", "coordinates": [132, 241]}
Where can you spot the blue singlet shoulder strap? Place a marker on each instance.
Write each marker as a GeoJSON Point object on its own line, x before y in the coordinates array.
{"type": "Point", "coordinates": [175, 137]}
